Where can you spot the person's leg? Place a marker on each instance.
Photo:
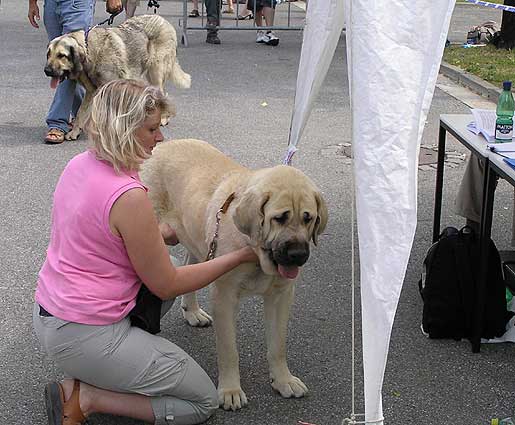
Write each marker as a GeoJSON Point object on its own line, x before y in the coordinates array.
{"type": "Point", "coordinates": [130, 8]}
{"type": "Point", "coordinates": [269, 14]}
{"type": "Point", "coordinates": [128, 372]}
{"type": "Point", "coordinates": [258, 19]}
{"type": "Point", "coordinates": [62, 18]}
{"type": "Point", "coordinates": [54, 28]}
{"type": "Point", "coordinates": [230, 8]}
{"type": "Point", "coordinates": [195, 11]}
{"type": "Point", "coordinates": [213, 20]}
{"type": "Point", "coordinates": [244, 13]}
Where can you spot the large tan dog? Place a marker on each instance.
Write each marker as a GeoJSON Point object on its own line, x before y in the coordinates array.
{"type": "Point", "coordinates": [276, 210]}
{"type": "Point", "coordinates": [143, 47]}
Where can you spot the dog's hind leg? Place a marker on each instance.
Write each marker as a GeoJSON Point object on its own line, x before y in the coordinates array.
{"type": "Point", "coordinates": [277, 310]}
{"type": "Point", "coordinates": [156, 75]}
{"type": "Point", "coordinates": [191, 310]}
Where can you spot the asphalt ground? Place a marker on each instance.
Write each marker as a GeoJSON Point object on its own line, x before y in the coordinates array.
{"type": "Point", "coordinates": [427, 382]}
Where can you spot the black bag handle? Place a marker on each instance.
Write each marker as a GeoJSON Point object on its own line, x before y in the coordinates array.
{"type": "Point", "coordinates": [466, 249]}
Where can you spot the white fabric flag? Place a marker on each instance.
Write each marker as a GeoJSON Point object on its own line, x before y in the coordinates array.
{"type": "Point", "coordinates": [394, 50]}
{"type": "Point", "coordinates": [324, 24]}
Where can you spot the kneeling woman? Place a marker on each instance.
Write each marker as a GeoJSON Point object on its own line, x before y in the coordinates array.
{"type": "Point", "coordinates": [105, 241]}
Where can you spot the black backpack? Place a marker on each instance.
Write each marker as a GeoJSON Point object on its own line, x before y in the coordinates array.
{"type": "Point", "coordinates": [449, 286]}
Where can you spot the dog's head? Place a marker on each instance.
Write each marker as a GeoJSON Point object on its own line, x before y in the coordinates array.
{"type": "Point", "coordinates": [281, 211]}
{"type": "Point", "coordinates": [65, 57]}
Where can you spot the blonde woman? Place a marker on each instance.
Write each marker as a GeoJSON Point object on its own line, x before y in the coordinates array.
{"type": "Point", "coordinates": [105, 241]}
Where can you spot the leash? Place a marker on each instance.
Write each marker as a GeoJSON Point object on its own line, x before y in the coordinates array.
{"type": "Point", "coordinates": [214, 242]}
{"type": "Point", "coordinates": [154, 4]}
{"type": "Point", "coordinates": [109, 22]}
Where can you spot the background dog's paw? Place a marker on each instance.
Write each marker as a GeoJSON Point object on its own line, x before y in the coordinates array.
{"type": "Point", "coordinates": [291, 387]}
{"type": "Point", "coordinates": [73, 134]}
{"type": "Point", "coordinates": [231, 399]}
{"type": "Point", "coordinates": [197, 318]}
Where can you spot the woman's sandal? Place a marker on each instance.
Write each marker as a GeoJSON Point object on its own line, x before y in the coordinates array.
{"type": "Point", "coordinates": [194, 14]}
{"type": "Point", "coordinates": [243, 17]}
{"type": "Point", "coordinates": [54, 136]}
{"type": "Point", "coordinates": [228, 11]}
{"type": "Point", "coordinates": [60, 412]}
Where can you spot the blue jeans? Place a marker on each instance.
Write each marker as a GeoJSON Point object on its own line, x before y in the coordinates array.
{"type": "Point", "coordinates": [61, 17]}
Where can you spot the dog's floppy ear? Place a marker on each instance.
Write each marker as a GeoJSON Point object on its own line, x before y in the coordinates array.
{"type": "Point", "coordinates": [78, 53]}
{"type": "Point", "coordinates": [76, 60]}
{"type": "Point", "coordinates": [249, 214]}
{"type": "Point", "coordinates": [321, 220]}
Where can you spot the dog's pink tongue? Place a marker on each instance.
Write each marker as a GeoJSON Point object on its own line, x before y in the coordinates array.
{"type": "Point", "coordinates": [54, 82]}
{"type": "Point", "coordinates": [288, 272]}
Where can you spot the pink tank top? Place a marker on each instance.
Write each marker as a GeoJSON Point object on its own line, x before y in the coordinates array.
{"type": "Point", "coordinates": [87, 276]}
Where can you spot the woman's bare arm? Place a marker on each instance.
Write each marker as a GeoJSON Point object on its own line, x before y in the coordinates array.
{"type": "Point", "coordinates": [133, 219]}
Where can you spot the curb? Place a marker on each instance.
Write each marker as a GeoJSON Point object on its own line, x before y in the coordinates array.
{"type": "Point", "coordinates": [470, 81]}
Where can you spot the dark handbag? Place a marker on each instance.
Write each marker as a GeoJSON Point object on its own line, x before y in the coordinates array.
{"type": "Point", "coordinates": [146, 314]}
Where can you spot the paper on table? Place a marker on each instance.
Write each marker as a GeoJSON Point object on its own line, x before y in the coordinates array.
{"type": "Point", "coordinates": [502, 147]}
{"type": "Point", "coordinates": [484, 120]}
{"type": "Point", "coordinates": [484, 123]}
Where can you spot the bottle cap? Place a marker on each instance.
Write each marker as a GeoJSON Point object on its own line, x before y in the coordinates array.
{"type": "Point", "coordinates": [506, 85]}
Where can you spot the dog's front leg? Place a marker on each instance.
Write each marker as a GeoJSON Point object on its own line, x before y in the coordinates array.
{"type": "Point", "coordinates": [78, 123]}
{"type": "Point", "coordinates": [191, 310]}
{"type": "Point", "coordinates": [225, 303]}
{"type": "Point", "coordinates": [277, 311]}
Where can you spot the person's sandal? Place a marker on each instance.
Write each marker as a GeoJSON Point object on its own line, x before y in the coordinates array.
{"type": "Point", "coordinates": [54, 136]}
{"type": "Point", "coordinates": [60, 412]}
{"type": "Point", "coordinates": [228, 11]}
{"type": "Point", "coordinates": [194, 14]}
{"type": "Point", "coordinates": [243, 17]}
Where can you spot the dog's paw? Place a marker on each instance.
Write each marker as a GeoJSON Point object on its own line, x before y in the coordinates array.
{"type": "Point", "coordinates": [197, 318]}
{"type": "Point", "coordinates": [232, 398]}
{"type": "Point", "coordinates": [73, 134]}
{"type": "Point", "coordinates": [291, 387]}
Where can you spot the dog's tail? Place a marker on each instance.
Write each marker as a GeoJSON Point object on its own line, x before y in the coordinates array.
{"type": "Point", "coordinates": [162, 48]}
{"type": "Point", "coordinates": [178, 77]}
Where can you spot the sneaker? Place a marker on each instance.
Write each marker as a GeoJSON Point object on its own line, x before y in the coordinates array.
{"type": "Point", "coordinates": [271, 39]}
{"type": "Point", "coordinates": [212, 38]}
{"type": "Point", "coordinates": [261, 37]}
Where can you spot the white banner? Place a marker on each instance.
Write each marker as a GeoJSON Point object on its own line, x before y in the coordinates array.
{"type": "Point", "coordinates": [394, 50]}
{"type": "Point", "coordinates": [324, 24]}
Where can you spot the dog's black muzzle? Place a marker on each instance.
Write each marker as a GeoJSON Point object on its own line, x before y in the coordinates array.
{"type": "Point", "coordinates": [49, 72]}
{"type": "Point", "coordinates": [292, 254]}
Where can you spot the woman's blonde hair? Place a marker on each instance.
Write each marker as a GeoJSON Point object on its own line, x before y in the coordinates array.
{"type": "Point", "coordinates": [118, 109]}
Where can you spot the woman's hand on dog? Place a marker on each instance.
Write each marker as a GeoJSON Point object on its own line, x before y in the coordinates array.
{"type": "Point", "coordinates": [248, 255]}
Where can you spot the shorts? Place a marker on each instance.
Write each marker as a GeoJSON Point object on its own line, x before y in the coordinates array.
{"type": "Point", "coordinates": [260, 4]}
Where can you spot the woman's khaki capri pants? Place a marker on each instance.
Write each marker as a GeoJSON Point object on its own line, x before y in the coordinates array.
{"type": "Point", "coordinates": [126, 359]}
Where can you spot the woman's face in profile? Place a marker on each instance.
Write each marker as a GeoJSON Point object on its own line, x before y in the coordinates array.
{"type": "Point", "coordinates": [149, 134]}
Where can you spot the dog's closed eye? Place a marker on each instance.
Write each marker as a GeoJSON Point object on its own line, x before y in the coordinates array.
{"type": "Point", "coordinates": [281, 219]}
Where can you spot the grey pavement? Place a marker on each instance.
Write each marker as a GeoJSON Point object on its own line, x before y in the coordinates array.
{"type": "Point", "coordinates": [427, 382]}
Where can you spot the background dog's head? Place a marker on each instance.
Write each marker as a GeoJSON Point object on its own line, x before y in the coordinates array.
{"type": "Point", "coordinates": [281, 211]}
{"type": "Point", "coordinates": [65, 57]}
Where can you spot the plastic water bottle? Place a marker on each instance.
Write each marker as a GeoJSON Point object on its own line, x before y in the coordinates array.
{"type": "Point", "coordinates": [505, 421]}
{"type": "Point", "coordinates": [505, 108]}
